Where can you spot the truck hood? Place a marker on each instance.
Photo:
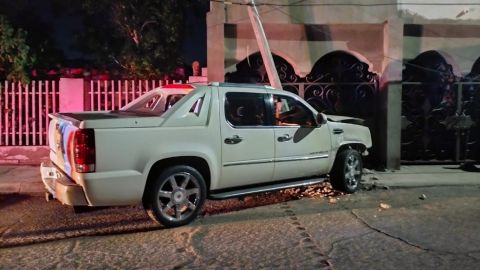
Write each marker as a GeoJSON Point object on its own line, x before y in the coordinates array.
{"type": "Point", "coordinates": [345, 119]}
{"type": "Point", "coordinates": [109, 119]}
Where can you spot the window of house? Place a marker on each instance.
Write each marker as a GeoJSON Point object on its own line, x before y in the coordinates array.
{"type": "Point", "coordinates": [291, 112]}
{"type": "Point", "coordinates": [245, 109]}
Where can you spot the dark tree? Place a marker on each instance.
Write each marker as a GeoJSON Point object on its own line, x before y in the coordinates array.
{"type": "Point", "coordinates": [143, 37]}
{"type": "Point", "coordinates": [16, 58]}
{"type": "Point", "coordinates": [29, 15]}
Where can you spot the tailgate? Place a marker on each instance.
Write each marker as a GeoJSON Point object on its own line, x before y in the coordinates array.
{"type": "Point", "coordinates": [60, 140]}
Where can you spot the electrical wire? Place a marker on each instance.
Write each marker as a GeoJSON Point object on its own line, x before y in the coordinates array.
{"type": "Point", "coordinates": [349, 4]}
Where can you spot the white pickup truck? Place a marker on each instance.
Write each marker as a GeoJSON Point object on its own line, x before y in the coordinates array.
{"type": "Point", "coordinates": [218, 141]}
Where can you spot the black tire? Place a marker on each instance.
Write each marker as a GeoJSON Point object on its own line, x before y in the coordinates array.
{"type": "Point", "coordinates": [176, 196]}
{"type": "Point", "coordinates": [347, 171]}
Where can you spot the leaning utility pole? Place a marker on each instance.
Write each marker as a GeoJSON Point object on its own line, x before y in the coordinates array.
{"type": "Point", "coordinates": [263, 44]}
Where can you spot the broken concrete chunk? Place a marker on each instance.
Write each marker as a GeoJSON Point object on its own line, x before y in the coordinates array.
{"type": "Point", "coordinates": [423, 197]}
{"type": "Point", "coordinates": [385, 206]}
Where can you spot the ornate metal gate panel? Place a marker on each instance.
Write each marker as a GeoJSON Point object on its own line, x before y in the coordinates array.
{"type": "Point", "coordinates": [341, 84]}
{"type": "Point", "coordinates": [436, 112]}
{"type": "Point", "coordinates": [252, 70]}
{"type": "Point", "coordinates": [470, 145]}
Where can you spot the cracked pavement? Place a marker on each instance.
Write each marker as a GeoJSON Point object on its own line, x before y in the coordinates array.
{"type": "Point", "coordinates": [439, 232]}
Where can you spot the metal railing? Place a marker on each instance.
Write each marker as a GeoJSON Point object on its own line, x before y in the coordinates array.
{"type": "Point", "coordinates": [440, 122]}
{"type": "Point", "coordinates": [24, 111]}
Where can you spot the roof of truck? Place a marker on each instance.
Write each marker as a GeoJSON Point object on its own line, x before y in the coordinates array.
{"type": "Point", "coordinates": [243, 85]}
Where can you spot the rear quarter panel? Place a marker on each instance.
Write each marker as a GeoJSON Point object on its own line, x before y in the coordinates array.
{"type": "Point", "coordinates": [125, 156]}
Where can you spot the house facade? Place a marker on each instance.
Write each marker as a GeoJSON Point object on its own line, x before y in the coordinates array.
{"type": "Point", "coordinates": [411, 70]}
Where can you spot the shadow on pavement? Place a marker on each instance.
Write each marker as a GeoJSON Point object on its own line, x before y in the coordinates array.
{"type": "Point", "coordinates": [36, 220]}
{"type": "Point", "coordinates": [467, 167]}
{"type": "Point", "coordinates": [8, 199]}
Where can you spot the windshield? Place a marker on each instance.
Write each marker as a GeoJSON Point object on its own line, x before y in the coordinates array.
{"type": "Point", "coordinates": [155, 102]}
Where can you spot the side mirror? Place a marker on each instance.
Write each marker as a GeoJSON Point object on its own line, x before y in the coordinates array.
{"type": "Point", "coordinates": [321, 119]}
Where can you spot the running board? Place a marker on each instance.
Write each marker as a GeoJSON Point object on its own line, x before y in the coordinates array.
{"type": "Point", "coordinates": [267, 188]}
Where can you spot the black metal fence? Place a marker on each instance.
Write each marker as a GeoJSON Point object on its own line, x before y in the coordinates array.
{"type": "Point", "coordinates": [440, 124]}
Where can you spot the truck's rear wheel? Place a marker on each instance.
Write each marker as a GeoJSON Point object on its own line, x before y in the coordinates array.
{"type": "Point", "coordinates": [347, 171]}
{"type": "Point", "coordinates": [177, 196]}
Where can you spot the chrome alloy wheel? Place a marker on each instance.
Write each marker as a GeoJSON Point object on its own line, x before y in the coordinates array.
{"type": "Point", "coordinates": [178, 197]}
{"type": "Point", "coordinates": [352, 171]}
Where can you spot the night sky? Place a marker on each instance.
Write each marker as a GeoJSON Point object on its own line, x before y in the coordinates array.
{"type": "Point", "coordinates": [65, 26]}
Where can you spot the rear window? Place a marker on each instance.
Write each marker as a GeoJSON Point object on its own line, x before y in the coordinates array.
{"type": "Point", "coordinates": [153, 103]}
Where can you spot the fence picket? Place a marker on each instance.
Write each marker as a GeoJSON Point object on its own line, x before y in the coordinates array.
{"type": "Point", "coordinates": [20, 113]}
{"type": "Point", "coordinates": [40, 112]}
{"type": "Point", "coordinates": [99, 101]}
{"type": "Point", "coordinates": [7, 113]}
{"type": "Point", "coordinates": [34, 111]}
{"type": "Point", "coordinates": [112, 94]}
{"type": "Point", "coordinates": [27, 113]}
{"type": "Point", "coordinates": [47, 108]}
{"type": "Point", "coordinates": [14, 112]}
{"type": "Point", "coordinates": [92, 95]}
{"type": "Point", "coordinates": [2, 112]}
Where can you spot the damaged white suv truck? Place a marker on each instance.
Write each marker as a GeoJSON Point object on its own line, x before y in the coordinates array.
{"type": "Point", "coordinates": [218, 141]}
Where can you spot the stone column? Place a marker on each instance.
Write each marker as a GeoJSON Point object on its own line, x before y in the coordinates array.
{"type": "Point", "coordinates": [72, 96]}
{"type": "Point", "coordinates": [389, 128]}
{"type": "Point", "coordinates": [216, 42]}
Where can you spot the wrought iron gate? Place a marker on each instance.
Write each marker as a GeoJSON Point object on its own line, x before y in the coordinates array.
{"type": "Point", "coordinates": [339, 83]}
{"type": "Point", "coordinates": [440, 112]}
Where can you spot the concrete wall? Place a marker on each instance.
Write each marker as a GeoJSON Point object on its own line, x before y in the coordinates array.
{"type": "Point", "coordinates": [343, 12]}
{"type": "Point", "coordinates": [303, 45]}
{"type": "Point", "coordinates": [383, 36]}
{"type": "Point", "coordinates": [459, 44]}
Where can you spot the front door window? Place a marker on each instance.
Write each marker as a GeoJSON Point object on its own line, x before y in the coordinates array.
{"type": "Point", "coordinates": [290, 112]}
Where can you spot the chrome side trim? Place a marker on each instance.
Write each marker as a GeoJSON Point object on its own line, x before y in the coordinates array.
{"type": "Point", "coordinates": [300, 158]}
{"type": "Point", "coordinates": [272, 187]}
{"type": "Point", "coordinates": [284, 159]}
{"type": "Point", "coordinates": [247, 162]}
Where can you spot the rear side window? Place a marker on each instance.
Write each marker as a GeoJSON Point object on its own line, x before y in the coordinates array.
{"type": "Point", "coordinates": [197, 106]}
{"type": "Point", "coordinates": [245, 109]}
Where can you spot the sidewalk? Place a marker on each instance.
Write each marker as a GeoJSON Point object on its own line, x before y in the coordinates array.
{"type": "Point", "coordinates": [425, 176]}
{"type": "Point", "coordinates": [26, 179]}
{"type": "Point", "coordinates": [20, 179]}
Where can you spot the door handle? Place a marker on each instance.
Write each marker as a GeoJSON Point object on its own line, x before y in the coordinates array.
{"type": "Point", "coordinates": [337, 131]}
{"type": "Point", "coordinates": [233, 140]}
{"type": "Point", "coordinates": [284, 138]}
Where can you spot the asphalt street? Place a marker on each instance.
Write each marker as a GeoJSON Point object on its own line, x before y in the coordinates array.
{"type": "Point", "coordinates": [414, 228]}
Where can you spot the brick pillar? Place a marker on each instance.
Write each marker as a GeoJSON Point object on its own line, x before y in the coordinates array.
{"type": "Point", "coordinates": [216, 42]}
{"type": "Point", "coordinates": [72, 95]}
{"type": "Point", "coordinates": [389, 127]}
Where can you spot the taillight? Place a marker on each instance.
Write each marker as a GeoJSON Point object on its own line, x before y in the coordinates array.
{"type": "Point", "coordinates": [84, 150]}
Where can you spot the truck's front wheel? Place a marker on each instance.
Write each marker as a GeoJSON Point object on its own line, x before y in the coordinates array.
{"type": "Point", "coordinates": [347, 171]}
{"type": "Point", "coordinates": [177, 196]}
